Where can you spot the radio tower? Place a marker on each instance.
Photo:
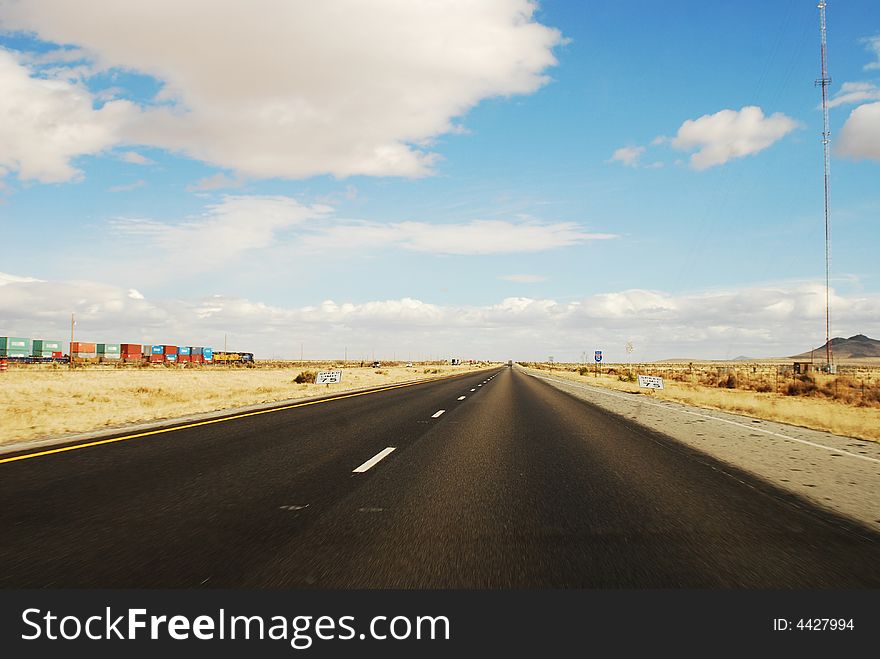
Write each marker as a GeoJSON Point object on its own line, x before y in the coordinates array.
{"type": "Point", "coordinates": [823, 82]}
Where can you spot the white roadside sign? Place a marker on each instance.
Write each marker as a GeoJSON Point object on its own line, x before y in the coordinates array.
{"type": "Point", "coordinates": [328, 377]}
{"type": "Point", "coordinates": [650, 382]}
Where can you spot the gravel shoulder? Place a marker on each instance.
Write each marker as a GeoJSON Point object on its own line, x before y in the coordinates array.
{"type": "Point", "coordinates": [841, 474]}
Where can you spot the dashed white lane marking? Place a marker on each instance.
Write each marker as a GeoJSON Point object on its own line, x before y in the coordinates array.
{"type": "Point", "coordinates": [479, 385]}
{"type": "Point", "coordinates": [294, 507]}
{"type": "Point", "coordinates": [462, 397]}
{"type": "Point", "coordinates": [715, 418]}
{"type": "Point", "coordinates": [369, 464]}
{"type": "Point", "coordinates": [473, 389]}
{"type": "Point", "coordinates": [437, 413]}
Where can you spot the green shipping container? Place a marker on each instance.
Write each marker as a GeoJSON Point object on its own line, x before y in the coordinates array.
{"type": "Point", "coordinates": [44, 353]}
{"type": "Point", "coordinates": [41, 345]}
{"type": "Point", "coordinates": [107, 349]}
{"type": "Point", "coordinates": [15, 344]}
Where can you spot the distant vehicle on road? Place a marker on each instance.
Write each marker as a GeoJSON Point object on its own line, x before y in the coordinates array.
{"type": "Point", "coordinates": [456, 362]}
{"type": "Point", "coordinates": [376, 365]}
{"type": "Point", "coordinates": [409, 365]}
{"type": "Point", "coordinates": [509, 363]}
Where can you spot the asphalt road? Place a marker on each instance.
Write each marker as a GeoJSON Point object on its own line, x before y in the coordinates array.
{"type": "Point", "coordinates": [516, 485]}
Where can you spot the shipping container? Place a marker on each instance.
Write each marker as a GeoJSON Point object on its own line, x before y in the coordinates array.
{"type": "Point", "coordinates": [169, 350]}
{"type": "Point", "coordinates": [43, 353]}
{"type": "Point", "coordinates": [41, 345]}
{"type": "Point", "coordinates": [13, 346]}
{"type": "Point", "coordinates": [57, 355]}
{"type": "Point", "coordinates": [170, 357]}
{"type": "Point", "coordinates": [197, 359]}
{"type": "Point", "coordinates": [196, 350]}
{"type": "Point", "coordinates": [183, 350]}
{"type": "Point", "coordinates": [184, 358]}
{"type": "Point", "coordinates": [79, 346]}
{"type": "Point", "coordinates": [130, 348]}
{"type": "Point", "coordinates": [157, 350]}
{"type": "Point", "coordinates": [109, 349]}
{"type": "Point", "coordinates": [208, 354]}
{"type": "Point", "coordinates": [157, 358]}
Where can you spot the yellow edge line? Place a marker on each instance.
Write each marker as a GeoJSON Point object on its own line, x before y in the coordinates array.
{"type": "Point", "coordinates": [160, 431]}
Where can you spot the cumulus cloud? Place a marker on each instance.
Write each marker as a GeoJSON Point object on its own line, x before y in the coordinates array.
{"type": "Point", "coordinates": [728, 134]}
{"type": "Point", "coordinates": [340, 86]}
{"type": "Point", "coordinates": [45, 123]}
{"type": "Point", "coordinates": [860, 135]}
{"type": "Point", "coordinates": [628, 155]}
{"type": "Point", "coordinates": [768, 320]}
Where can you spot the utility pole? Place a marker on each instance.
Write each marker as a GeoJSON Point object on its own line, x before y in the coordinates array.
{"type": "Point", "coordinates": [824, 82]}
{"type": "Point", "coordinates": [70, 354]}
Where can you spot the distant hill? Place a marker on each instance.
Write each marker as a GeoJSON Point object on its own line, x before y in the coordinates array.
{"type": "Point", "coordinates": [855, 347]}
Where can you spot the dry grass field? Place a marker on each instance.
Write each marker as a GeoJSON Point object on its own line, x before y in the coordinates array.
{"type": "Point", "coordinates": [43, 401]}
{"type": "Point", "coordinates": [846, 404]}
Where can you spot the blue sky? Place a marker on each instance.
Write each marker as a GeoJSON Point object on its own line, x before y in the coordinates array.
{"type": "Point", "coordinates": [494, 179]}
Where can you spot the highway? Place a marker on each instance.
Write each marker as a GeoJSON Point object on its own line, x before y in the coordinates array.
{"type": "Point", "coordinates": [486, 480]}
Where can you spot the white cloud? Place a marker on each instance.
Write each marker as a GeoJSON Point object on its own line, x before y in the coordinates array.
{"type": "Point", "coordinates": [729, 134]}
{"type": "Point", "coordinates": [466, 238]}
{"type": "Point", "coordinates": [46, 123]}
{"type": "Point", "coordinates": [855, 92]}
{"type": "Point", "coordinates": [243, 223]}
{"type": "Point", "coordinates": [224, 230]}
{"type": "Point", "coordinates": [340, 87]}
{"type": "Point", "coordinates": [135, 294]}
{"type": "Point", "coordinates": [218, 181]}
{"type": "Point", "coordinates": [767, 320]}
{"type": "Point", "coordinates": [873, 45]}
{"type": "Point", "coordinates": [135, 158]}
{"type": "Point", "coordinates": [860, 135]}
{"type": "Point", "coordinates": [628, 155]}
{"type": "Point", "coordinates": [523, 279]}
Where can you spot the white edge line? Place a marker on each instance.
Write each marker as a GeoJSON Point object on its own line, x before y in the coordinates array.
{"type": "Point", "coordinates": [462, 397]}
{"type": "Point", "coordinates": [381, 455]}
{"type": "Point", "coordinates": [715, 418]}
{"type": "Point", "coordinates": [437, 413]}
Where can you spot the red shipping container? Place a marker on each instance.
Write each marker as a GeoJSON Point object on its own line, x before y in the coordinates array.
{"type": "Point", "coordinates": [130, 349]}
{"type": "Point", "coordinates": [197, 359]}
{"type": "Point", "coordinates": [78, 346]}
{"type": "Point", "coordinates": [57, 355]}
{"type": "Point", "coordinates": [183, 358]}
{"type": "Point", "coordinates": [157, 358]}
{"type": "Point", "coordinates": [170, 350]}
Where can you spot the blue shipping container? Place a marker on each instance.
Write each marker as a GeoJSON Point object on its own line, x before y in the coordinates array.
{"type": "Point", "coordinates": [170, 358]}
{"type": "Point", "coordinates": [208, 353]}
{"type": "Point", "coordinates": [183, 351]}
{"type": "Point", "coordinates": [157, 350]}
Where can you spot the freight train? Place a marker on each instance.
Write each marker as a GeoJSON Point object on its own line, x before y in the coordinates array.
{"type": "Point", "coordinates": [16, 349]}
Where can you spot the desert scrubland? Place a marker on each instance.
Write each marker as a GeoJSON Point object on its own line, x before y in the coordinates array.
{"type": "Point", "coordinates": [46, 400]}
